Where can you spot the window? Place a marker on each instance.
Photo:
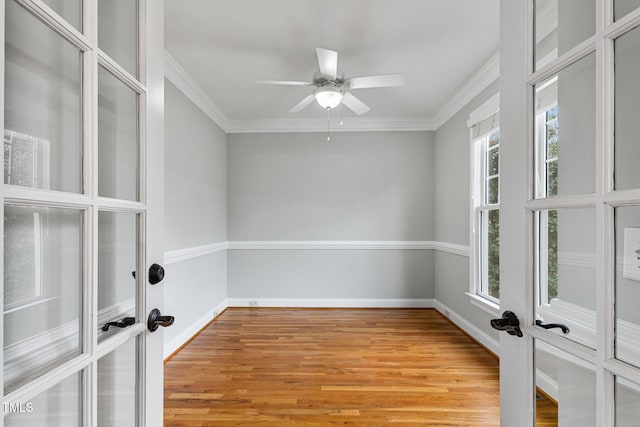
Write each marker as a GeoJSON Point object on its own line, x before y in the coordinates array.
{"type": "Point", "coordinates": [485, 206]}
{"type": "Point", "coordinates": [26, 160]}
{"type": "Point", "coordinates": [26, 163]}
{"type": "Point", "coordinates": [23, 281]}
{"type": "Point", "coordinates": [547, 140]}
{"type": "Point", "coordinates": [547, 143]}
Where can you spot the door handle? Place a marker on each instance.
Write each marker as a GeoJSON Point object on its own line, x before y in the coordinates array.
{"type": "Point", "coordinates": [508, 323]}
{"type": "Point", "coordinates": [156, 274]}
{"type": "Point", "coordinates": [127, 321]}
{"type": "Point", "coordinates": [565, 329]}
{"type": "Point", "coordinates": [156, 319]}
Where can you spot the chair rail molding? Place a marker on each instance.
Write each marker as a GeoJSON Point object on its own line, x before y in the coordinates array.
{"type": "Point", "coordinates": [171, 257]}
{"type": "Point", "coordinates": [184, 254]}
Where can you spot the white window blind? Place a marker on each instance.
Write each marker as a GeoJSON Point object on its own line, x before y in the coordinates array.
{"type": "Point", "coordinates": [486, 126]}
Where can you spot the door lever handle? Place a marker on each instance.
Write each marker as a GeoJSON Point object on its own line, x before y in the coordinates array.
{"type": "Point", "coordinates": [508, 323]}
{"type": "Point", "coordinates": [565, 329]}
{"type": "Point", "coordinates": [127, 321]}
{"type": "Point", "coordinates": [156, 319]}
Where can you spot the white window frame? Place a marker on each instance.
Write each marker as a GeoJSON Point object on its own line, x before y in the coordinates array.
{"type": "Point", "coordinates": [478, 245]}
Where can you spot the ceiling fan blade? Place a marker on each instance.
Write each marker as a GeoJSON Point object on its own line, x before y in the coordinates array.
{"type": "Point", "coordinates": [282, 82]}
{"type": "Point", "coordinates": [302, 104]}
{"type": "Point", "coordinates": [328, 62]}
{"type": "Point", "coordinates": [385, 80]}
{"type": "Point", "coordinates": [354, 104]}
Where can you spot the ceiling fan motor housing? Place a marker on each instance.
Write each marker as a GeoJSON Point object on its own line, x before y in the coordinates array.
{"type": "Point", "coordinates": [320, 80]}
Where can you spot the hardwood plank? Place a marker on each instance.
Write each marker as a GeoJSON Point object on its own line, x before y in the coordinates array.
{"type": "Point", "coordinates": [323, 367]}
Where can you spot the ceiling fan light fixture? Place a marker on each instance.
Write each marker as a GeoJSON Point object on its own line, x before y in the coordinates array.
{"type": "Point", "coordinates": [328, 96]}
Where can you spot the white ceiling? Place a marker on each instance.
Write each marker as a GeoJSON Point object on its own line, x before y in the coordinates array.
{"type": "Point", "coordinates": [225, 45]}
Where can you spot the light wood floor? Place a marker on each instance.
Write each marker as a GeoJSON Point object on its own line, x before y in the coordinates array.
{"type": "Point", "coordinates": [319, 367]}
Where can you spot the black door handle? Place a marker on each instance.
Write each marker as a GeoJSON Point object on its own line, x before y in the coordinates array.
{"type": "Point", "coordinates": [508, 323]}
{"type": "Point", "coordinates": [127, 321]}
{"type": "Point", "coordinates": [565, 329]}
{"type": "Point", "coordinates": [156, 319]}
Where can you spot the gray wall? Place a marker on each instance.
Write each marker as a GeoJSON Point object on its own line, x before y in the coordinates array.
{"type": "Point", "coordinates": [452, 198]}
{"type": "Point", "coordinates": [196, 175]}
{"type": "Point", "coordinates": [195, 210]}
{"type": "Point", "coordinates": [359, 186]}
{"type": "Point", "coordinates": [331, 274]}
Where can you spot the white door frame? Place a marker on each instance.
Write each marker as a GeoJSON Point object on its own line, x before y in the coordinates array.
{"type": "Point", "coordinates": [518, 205]}
{"type": "Point", "coordinates": [153, 69]}
{"type": "Point", "coordinates": [516, 354]}
{"type": "Point", "coordinates": [150, 86]}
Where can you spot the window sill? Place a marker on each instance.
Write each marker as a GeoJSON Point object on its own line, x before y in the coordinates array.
{"type": "Point", "coordinates": [484, 304]}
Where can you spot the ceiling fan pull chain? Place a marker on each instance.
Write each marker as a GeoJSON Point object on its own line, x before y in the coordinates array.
{"type": "Point", "coordinates": [328, 124]}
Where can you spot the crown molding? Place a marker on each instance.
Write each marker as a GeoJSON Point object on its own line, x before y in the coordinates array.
{"type": "Point", "coordinates": [177, 75]}
{"type": "Point", "coordinates": [357, 124]}
{"type": "Point", "coordinates": [472, 88]}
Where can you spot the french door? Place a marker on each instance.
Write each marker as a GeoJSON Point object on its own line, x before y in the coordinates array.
{"type": "Point", "coordinates": [570, 212]}
{"type": "Point", "coordinates": [82, 208]}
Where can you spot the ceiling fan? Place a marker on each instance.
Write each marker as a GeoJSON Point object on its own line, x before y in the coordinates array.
{"type": "Point", "coordinates": [332, 87]}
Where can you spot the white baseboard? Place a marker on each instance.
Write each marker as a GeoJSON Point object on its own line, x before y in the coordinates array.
{"type": "Point", "coordinates": [171, 346]}
{"type": "Point", "coordinates": [483, 338]}
{"type": "Point", "coordinates": [332, 303]}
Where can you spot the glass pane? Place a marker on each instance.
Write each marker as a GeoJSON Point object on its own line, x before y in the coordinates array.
{"type": "Point", "coordinates": [565, 388]}
{"type": "Point", "coordinates": [566, 242]}
{"type": "Point", "coordinates": [494, 161]}
{"type": "Point", "coordinates": [627, 220]}
{"type": "Point", "coordinates": [117, 382]}
{"type": "Point", "coordinates": [627, 105]}
{"type": "Point", "coordinates": [70, 10]}
{"type": "Point", "coordinates": [118, 32]}
{"type": "Point", "coordinates": [622, 7]}
{"type": "Point", "coordinates": [60, 406]}
{"type": "Point", "coordinates": [493, 253]}
{"type": "Point", "coordinates": [43, 105]}
{"type": "Point", "coordinates": [117, 138]}
{"type": "Point", "coordinates": [117, 259]}
{"type": "Point", "coordinates": [561, 25]}
{"type": "Point", "coordinates": [494, 138]}
{"type": "Point", "coordinates": [42, 290]}
{"type": "Point", "coordinates": [493, 191]}
{"type": "Point", "coordinates": [565, 131]}
{"type": "Point", "coordinates": [627, 398]}
{"type": "Point", "coordinates": [552, 178]}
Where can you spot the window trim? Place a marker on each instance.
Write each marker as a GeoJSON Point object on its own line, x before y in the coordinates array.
{"type": "Point", "coordinates": [477, 176]}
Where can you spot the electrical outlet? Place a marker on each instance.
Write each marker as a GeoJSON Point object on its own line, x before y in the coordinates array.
{"type": "Point", "coordinates": [253, 303]}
